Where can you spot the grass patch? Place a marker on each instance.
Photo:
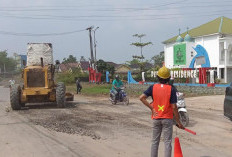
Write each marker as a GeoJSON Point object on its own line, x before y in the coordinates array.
{"type": "Point", "coordinates": [91, 89]}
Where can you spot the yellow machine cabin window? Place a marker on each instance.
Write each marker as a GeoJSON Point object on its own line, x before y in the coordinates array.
{"type": "Point", "coordinates": [36, 79]}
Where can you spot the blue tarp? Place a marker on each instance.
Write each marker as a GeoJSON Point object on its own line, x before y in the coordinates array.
{"type": "Point", "coordinates": [107, 76]}
{"type": "Point", "coordinates": [130, 78]}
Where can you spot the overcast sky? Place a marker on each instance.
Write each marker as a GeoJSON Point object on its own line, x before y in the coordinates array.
{"type": "Point", "coordinates": [26, 21]}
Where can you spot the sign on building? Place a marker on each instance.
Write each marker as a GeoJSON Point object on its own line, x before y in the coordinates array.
{"type": "Point", "coordinates": [200, 60]}
{"type": "Point", "coordinates": [179, 54]}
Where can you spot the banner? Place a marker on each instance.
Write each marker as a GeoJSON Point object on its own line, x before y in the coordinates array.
{"type": "Point", "coordinates": [179, 54]}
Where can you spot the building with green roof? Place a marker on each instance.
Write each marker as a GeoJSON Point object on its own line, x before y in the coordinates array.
{"type": "Point", "coordinates": [206, 46]}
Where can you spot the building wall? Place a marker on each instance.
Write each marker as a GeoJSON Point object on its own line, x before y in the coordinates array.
{"type": "Point", "coordinates": [168, 55]}
{"type": "Point", "coordinates": [19, 59]}
{"type": "Point", "coordinates": [23, 60]}
{"type": "Point", "coordinates": [215, 47]}
{"type": "Point", "coordinates": [229, 75]}
{"type": "Point", "coordinates": [210, 43]}
{"type": "Point", "coordinates": [190, 53]}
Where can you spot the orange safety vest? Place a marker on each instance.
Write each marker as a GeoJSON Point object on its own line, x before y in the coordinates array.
{"type": "Point", "coordinates": [161, 101]}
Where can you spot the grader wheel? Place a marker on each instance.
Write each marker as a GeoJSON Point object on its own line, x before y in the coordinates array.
{"type": "Point", "coordinates": [60, 95]}
{"type": "Point", "coordinates": [15, 95]}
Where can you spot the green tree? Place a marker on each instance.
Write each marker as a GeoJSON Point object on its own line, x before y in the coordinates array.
{"type": "Point", "coordinates": [6, 63]}
{"type": "Point", "coordinates": [158, 59]}
{"type": "Point", "coordinates": [133, 61]}
{"type": "Point", "coordinates": [102, 67]}
{"type": "Point", "coordinates": [140, 44]}
{"type": "Point", "coordinates": [82, 59]}
{"type": "Point", "coordinates": [70, 59]}
{"type": "Point", "coordinates": [141, 64]}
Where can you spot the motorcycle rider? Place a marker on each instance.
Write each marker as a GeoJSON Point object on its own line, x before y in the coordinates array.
{"type": "Point", "coordinates": [171, 82]}
{"type": "Point", "coordinates": [116, 88]}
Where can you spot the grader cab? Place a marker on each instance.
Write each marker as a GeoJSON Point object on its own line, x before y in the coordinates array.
{"type": "Point", "coordinates": [38, 81]}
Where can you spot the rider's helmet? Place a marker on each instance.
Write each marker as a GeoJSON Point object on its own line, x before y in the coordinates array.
{"type": "Point", "coordinates": [116, 77]}
{"type": "Point", "coordinates": [171, 81]}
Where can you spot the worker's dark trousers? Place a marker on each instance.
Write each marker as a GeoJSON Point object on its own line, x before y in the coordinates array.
{"type": "Point", "coordinates": [165, 126]}
{"type": "Point", "coordinates": [79, 89]}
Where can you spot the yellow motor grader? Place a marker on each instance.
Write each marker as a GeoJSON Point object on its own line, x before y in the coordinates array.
{"type": "Point", "coordinates": [39, 86]}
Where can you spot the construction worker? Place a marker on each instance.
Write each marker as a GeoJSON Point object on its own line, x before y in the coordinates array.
{"type": "Point", "coordinates": [79, 86]}
{"type": "Point", "coordinates": [162, 108]}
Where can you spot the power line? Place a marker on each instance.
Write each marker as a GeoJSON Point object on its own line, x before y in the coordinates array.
{"type": "Point", "coordinates": [155, 7]}
{"type": "Point", "coordinates": [32, 34]}
{"type": "Point", "coordinates": [74, 8]}
{"type": "Point", "coordinates": [47, 16]}
{"type": "Point", "coordinates": [119, 17]}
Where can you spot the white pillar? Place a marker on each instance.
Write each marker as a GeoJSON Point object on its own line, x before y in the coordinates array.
{"type": "Point", "coordinates": [225, 69]}
{"type": "Point", "coordinates": [218, 73]}
{"type": "Point", "coordinates": [211, 76]}
{"type": "Point", "coordinates": [143, 76]}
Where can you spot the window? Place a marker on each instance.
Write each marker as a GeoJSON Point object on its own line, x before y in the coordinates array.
{"type": "Point", "coordinates": [191, 53]}
{"type": "Point", "coordinates": [230, 53]}
{"type": "Point", "coordinates": [222, 73]}
{"type": "Point", "coordinates": [222, 52]}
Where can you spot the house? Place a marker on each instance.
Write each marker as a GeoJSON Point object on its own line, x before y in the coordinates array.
{"type": "Point", "coordinates": [68, 67]}
{"type": "Point", "coordinates": [84, 65]}
{"type": "Point", "coordinates": [113, 64]}
{"type": "Point", "coordinates": [122, 69]}
{"type": "Point", "coordinates": [135, 68]}
{"type": "Point", "coordinates": [21, 61]}
{"type": "Point", "coordinates": [207, 46]}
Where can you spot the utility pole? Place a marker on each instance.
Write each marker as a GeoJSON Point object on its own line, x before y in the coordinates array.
{"type": "Point", "coordinates": [95, 45]}
{"type": "Point", "coordinates": [91, 47]}
{"type": "Point", "coordinates": [4, 66]}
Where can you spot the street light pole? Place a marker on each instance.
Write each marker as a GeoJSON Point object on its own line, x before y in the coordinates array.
{"type": "Point", "coordinates": [95, 45]}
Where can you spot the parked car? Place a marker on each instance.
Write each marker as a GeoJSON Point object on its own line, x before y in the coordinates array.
{"type": "Point", "coordinates": [228, 102]}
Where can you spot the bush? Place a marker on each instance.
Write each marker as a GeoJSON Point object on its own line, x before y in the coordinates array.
{"type": "Point", "coordinates": [69, 78]}
{"type": "Point", "coordinates": [151, 79]}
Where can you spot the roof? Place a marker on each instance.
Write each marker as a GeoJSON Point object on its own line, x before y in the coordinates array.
{"type": "Point", "coordinates": [122, 69]}
{"type": "Point", "coordinates": [67, 66]}
{"type": "Point", "coordinates": [122, 65]}
{"type": "Point", "coordinates": [115, 65]}
{"type": "Point", "coordinates": [221, 25]}
{"type": "Point", "coordinates": [84, 65]}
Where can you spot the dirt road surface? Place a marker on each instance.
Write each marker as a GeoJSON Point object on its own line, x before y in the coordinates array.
{"type": "Point", "coordinates": [92, 127]}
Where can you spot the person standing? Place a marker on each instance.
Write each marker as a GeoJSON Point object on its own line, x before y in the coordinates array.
{"type": "Point", "coordinates": [12, 82]}
{"type": "Point", "coordinates": [79, 86]}
{"type": "Point", "coordinates": [162, 108]}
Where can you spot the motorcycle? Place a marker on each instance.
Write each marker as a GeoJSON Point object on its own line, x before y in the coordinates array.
{"type": "Point", "coordinates": [184, 117]}
{"type": "Point", "coordinates": [181, 106]}
{"type": "Point", "coordinates": [120, 97]}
